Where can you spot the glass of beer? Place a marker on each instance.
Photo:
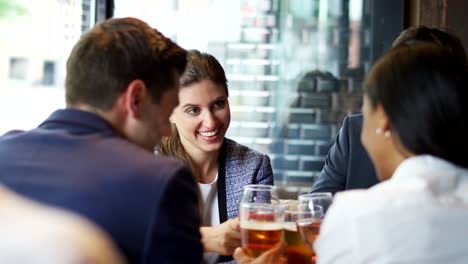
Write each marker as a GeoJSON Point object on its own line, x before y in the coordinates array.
{"type": "Point", "coordinates": [323, 199]}
{"type": "Point", "coordinates": [313, 208]}
{"type": "Point", "coordinates": [261, 219]}
{"type": "Point", "coordinates": [308, 224]}
{"type": "Point", "coordinates": [297, 251]}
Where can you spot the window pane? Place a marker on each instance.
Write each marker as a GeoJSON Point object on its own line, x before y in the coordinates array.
{"type": "Point", "coordinates": [37, 37]}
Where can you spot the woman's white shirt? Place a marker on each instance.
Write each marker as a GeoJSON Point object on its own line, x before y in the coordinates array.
{"type": "Point", "coordinates": [210, 214]}
{"type": "Point", "coordinates": [420, 215]}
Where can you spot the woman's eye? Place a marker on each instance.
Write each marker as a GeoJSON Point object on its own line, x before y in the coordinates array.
{"type": "Point", "coordinates": [192, 111]}
{"type": "Point", "coordinates": [219, 104]}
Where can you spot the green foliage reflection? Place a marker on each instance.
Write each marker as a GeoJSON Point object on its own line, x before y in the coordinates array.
{"type": "Point", "coordinates": [11, 8]}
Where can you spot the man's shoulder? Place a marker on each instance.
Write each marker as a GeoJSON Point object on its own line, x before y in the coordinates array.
{"type": "Point", "coordinates": [118, 156]}
{"type": "Point", "coordinates": [355, 118]}
{"type": "Point", "coordinates": [12, 135]}
{"type": "Point", "coordinates": [143, 162]}
{"type": "Point", "coordinates": [353, 124]}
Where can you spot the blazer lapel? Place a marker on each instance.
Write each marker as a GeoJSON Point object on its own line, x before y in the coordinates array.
{"type": "Point", "coordinates": [222, 201]}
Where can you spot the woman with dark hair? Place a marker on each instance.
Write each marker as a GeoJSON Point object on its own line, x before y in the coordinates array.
{"type": "Point", "coordinates": [443, 39]}
{"type": "Point", "coordinates": [221, 166]}
{"type": "Point", "coordinates": [347, 165]}
{"type": "Point", "coordinates": [415, 132]}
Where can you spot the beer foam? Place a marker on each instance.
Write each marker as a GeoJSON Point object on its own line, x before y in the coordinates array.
{"type": "Point", "coordinates": [257, 225]}
{"type": "Point", "coordinates": [290, 226]}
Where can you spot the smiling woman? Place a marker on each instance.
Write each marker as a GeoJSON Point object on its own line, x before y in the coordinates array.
{"type": "Point", "coordinates": [202, 121]}
{"type": "Point", "coordinates": [221, 166]}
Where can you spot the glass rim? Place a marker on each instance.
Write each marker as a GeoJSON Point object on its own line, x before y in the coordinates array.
{"type": "Point", "coordinates": [262, 206]}
{"type": "Point", "coordinates": [285, 206]}
{"type": "Point", "coordinates": [316, 195]}
{"type": "Point", "coordinates": [259, 187]}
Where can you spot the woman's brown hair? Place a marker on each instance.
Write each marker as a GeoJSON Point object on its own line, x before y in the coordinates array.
{"type": "Point", "coordinates": [200, 66]}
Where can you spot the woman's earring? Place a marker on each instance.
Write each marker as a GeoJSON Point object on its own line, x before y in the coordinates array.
{"type": "Point", "coordinates": [378, 131]}
{"type": "Point", "coordinates": [387, 133]}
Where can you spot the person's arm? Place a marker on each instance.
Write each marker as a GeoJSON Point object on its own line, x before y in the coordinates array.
{"type": "Point", "coordinates": [223, 238]}
{"type": "Point", "coordinates": [332, 178]}
{"type": "Point", "coordinates": [175, 231]}
{"type": "Point", "coordinates": [265, 173]}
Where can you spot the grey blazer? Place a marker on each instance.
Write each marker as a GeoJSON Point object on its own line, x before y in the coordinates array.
{"type": "Point", "coordinates": [239, 166]}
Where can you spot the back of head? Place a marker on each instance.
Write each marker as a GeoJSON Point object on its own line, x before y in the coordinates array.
{"type": "Point", "coordinates": [114, 53]}
{"type": "Point", "coordinates": [418, 34]}
{"type": "Point", "coordinates": [423, 91]}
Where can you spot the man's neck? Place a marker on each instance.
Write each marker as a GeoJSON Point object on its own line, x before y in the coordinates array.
{"type": "Point", "coordinates": [111, 116]}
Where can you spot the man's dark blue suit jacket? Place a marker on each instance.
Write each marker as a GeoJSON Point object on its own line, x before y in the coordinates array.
{"type": "Point", "coordinates": [347, 165]}
{"type": "Point", "coordinates": [76, 161]}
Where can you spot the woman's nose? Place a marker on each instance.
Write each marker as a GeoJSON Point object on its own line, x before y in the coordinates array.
{"type": "Point", "coordinates": [209, 119]}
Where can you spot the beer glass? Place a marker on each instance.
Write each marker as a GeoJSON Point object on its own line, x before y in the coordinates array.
{"type": "Point", "coordinates": [297, 251]}
{"type": "Point", "coordinates": [261, 218]}
{"type": "Point", "coordinates": [323, 199]}
{"type": "Point", "coordinates": [313, 208]}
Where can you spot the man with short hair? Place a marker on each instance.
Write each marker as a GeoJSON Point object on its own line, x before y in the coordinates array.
{"type": "Point", "coordinates": [96, 156]}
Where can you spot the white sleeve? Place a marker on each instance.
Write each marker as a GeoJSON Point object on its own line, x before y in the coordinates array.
{"type": "Point", "coordinates": [337, 240]}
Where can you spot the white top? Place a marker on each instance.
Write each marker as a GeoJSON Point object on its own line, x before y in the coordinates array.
{"type": "Point", "coordinates": [210, 214]}
{"type": "Point", "coordinates": [37, 234]}
{"type": "Point", "coordinates": [420, 215]}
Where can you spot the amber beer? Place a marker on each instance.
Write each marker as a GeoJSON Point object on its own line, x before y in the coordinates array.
{"type": "Point", "coordinates": [309, 230]}
{"type": "Point", "coordinates": [297, 251]}
{"type": "Point", "coordinates": [259, 236]}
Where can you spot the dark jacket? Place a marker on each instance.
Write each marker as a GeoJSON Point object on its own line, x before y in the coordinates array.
{"type": "Point", "coordinates": [75, 160]}
{"type": "Point", "coordinates": [347, 165]}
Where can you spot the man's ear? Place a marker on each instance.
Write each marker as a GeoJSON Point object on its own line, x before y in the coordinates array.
{"type": "Point", "coordinates": [135, 96]}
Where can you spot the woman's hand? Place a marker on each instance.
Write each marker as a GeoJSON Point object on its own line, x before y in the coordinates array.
{"type": "Point", "coordinates": [223, 238]}
{"type": "Point", "coordinates": [272, 256]}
